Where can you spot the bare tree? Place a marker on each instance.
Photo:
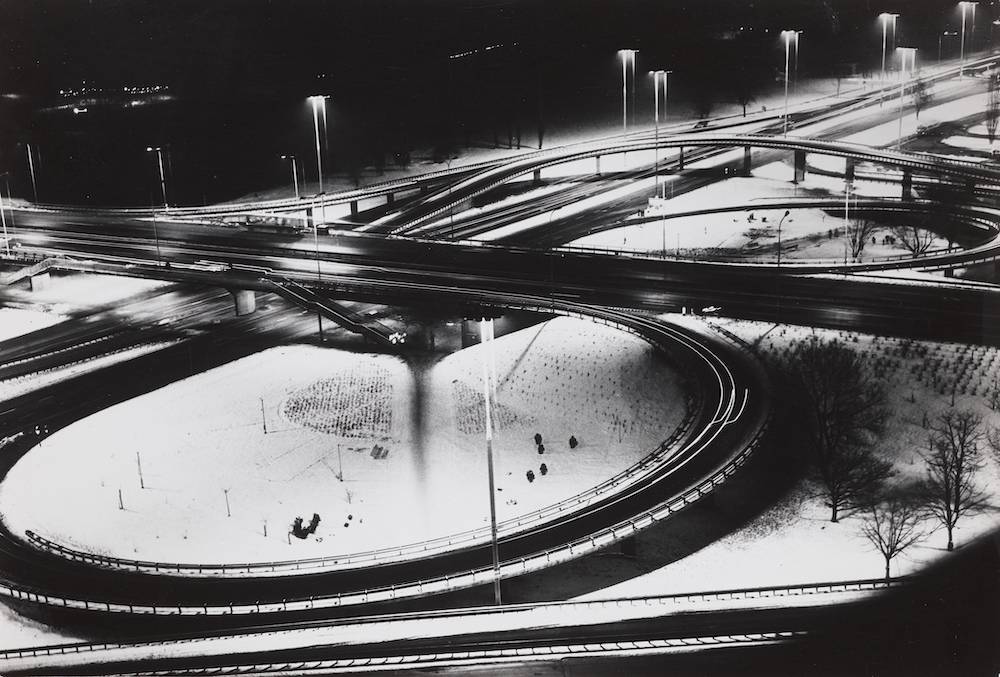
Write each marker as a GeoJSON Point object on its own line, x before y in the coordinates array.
{"type": "Point", "coordinates": [915, 239]}
{"type": "Point", "coordinates": [993, 107]}
{"type": "Point", "coordinates": [858, 233]}
{"type": "Point", "coordinates": [954, 458]}
{"type": "Point", "coordinates": [892, 526]}
{"type": "Point", "coordinates": [843, 407]}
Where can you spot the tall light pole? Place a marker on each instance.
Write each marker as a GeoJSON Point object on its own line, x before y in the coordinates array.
{"type": "Point", "coordinates": [886, 17]}
{"type": "Point", "coordinates": [945, 34]}
{"type": "Point", "coordinates": [295, 173]}
{"type": "Point", "coordinates": [903, 53]}
{"type": "Point", "coordinates": [787, 35]}
{"type": "Point", "coordinates": [316, 102]}
{"type": "Point", "coordinates": [163, 179]}
{"type": "Point", "coordinates": [627, 55]}
{"type": "Point", "coordinates": [966, 4]}
{"type": "Point", "coordinates": [3, 219]}
{"type": "Point", "coordinates": [657, 75]}
{"type": "Point", "coordinates": [795, 77]}
{"type": "Point", "coordinates": [486, 341]}
{"type": "Point", "coordinates": [31, 170]}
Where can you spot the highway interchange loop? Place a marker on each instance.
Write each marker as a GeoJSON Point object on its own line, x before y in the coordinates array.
{"type": "Point", "coordinates": [733, 401]}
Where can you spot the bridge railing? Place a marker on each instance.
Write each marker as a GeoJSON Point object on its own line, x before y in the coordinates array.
{"type": "Point", "coordinates": [650, 463]}
{"type": "Point", "coordinates": [668, 603]}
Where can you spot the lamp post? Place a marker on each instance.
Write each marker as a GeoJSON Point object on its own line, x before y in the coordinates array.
{"type": "Point", "coordinates": [316, 102]}
{"type": "Point", "coordinates": [903, 53]}
{"type": "Point", "coordinates": [964, 5]}
{"type": "Point", "coordinates": [295, 173]}
{"type": "Point", "coordinates": [787, 35]}
{"type": "Point", "coordinates": [31, 170]}
{"type": "Point", "coordinates": [627, 55]}
{"type": "Point", "coordinates": [945, 34]}
{"type": "Point", "coordinates": [486, 341]}
{"type": "Point", "coordinates": [3, 219]}
{"type": "Point", "coordinates": [163, 179]}
{"type": "Point", "coordinates": [656, 118]}
{"type": "Point", "coordinates": [885, 17]}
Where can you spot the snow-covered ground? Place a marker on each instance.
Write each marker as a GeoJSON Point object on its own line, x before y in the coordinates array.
{"type": "Point", "coordinates": [16, 322]}
{"type": "Point", "coordinates": [805, 233]}
{"type": "Point", "coordinates": [794, 541]}
{"type": "Point", "coordinates": [407, 440]}
{"type": "Point", "coordinates": [83, 290]}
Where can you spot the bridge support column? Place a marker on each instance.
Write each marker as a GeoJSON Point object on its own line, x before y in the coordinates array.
{"type": "Point", "coordinates": [907, 191]}
{"type": "Point", "coordinates": [537, 176]}
{"type": "Point", "coordinates": [800, 166]}
{"type": "Point", "coordinates": [970, 186]}
{"type": "Point", "coordinates": [598, 159]}
{"type": "Point", "coordinates": [849, 170]}
{"type": "Point", "coordinates": [949, 272]}
{"type": "Point", "coordinates": [39, 282]}
{"type": "Point", "coordinates": [244, 300]}
{"type": "Point", "coordinates": [747, 163]}
{"type": "Point", "coordinates": [354, 207]}
{"type": "Point", "coordinates": [390, 199]}
{"type": "Point", "coordinates": [680, 158]}
{"type": "Point", "coordinates": [310, 218]}
{"type": "Point", "coordinates": [424, 189]}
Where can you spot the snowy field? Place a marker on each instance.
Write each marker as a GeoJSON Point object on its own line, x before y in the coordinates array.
{"type": "Point", "coordinates": [752, 233]}
{"type": "Point", "coordinates": [16, 322]}
{"type": "Point", "coordinates": [794, 541]}
{"type": "Point", "coordinates": [406, 439]}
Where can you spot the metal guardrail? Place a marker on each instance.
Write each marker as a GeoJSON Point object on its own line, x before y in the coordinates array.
{"type": "Point", "coordinates": [668, 602]}
{"type": "Point", "coordinates": [637, 471]}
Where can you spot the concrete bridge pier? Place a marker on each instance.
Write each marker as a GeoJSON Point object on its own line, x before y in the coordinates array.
{"type": "Point", "coordinates": [354, 207]}
{"type": "Point", "coordinates": [949, 272]}
{"type": "Point", "coordinates": [680, 158]}
{"type": "Point", "coordinates": [800, 166]}
{"type": "Point", "coordinates": [598, 160]}
{"type": "Point", "coordinates": [907, 190]}
{"type": "Point", "coordinates": [390, 199]}
{"type": "Point", "coordinates": [747, 162]}
{"type": "Point", "coordinates": [244, 301]}
{"type": "Point", "coordinates": [39, 282]}
{"type": "Point", "coordinates": [849, 164]}
{"type": "Point", "coordinates": [536, 177]}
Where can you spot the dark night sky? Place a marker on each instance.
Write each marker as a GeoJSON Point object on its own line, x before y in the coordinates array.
{"type": "Point", "coordinates": [240, 72]}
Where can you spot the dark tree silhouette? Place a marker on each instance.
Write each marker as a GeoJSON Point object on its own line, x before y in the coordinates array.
{"type": "Point", "coordinates": [892, 526]}
{"type": "Point", "coordinates": [953, 459]}
{"type": "Point", "coordinates": [859, 232]}
{"type": "Point", "coordinates": [915, 239]}
{"type": "Point", "coordinates": [843, 411]}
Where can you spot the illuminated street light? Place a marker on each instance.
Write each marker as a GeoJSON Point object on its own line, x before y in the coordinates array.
{"type": "Point", "coordinates": [903, 53]}
{"type": "Point", "coordinates": [941, 37]}
{"type": "Point", "coordinates": [295, 173]}
{"type": "Point", "coordinates": [656, 118]}
{"type": "Point", "coordinates": [787, 35]}
{"type": "Point", "coordinates": [626, 55]}
{"type": "Point", "coordinates": [964, 6]}
{"type": "Point", "coordinates": [31, 170]}
{"type": "Point", "coordinates": [316, 102]}
{"type": "Point", "coordinates": [163, 179]}
{"type": "Point", "coordinates": [885, 17]}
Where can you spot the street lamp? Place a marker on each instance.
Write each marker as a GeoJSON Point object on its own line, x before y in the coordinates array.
{"type": "Point", "coordinates": [626, 55]}
{"type": "Point", "coordinates": [316, 102]}
{"type": "Point", "coordinates": [656, 118]}
{"type": "Point", "coordinates": [31, 170]}
{"type": "Point", "coordinates": [885, 17]}
{"type": "Point", "coordinates": [787, 35]}
{"type": "Point", "coordinates": [945, 34]}
{"type": "Point", "coordinates": [163, 180]}
{"type": "Point", "coordinates": [964, 6]}
{"type": "Point", "coordinates": [780, 221]}
{"type": "Point", "coordinates": [903, 53]}
{"type": "Point", "coordinates": [489, 397]}
{"type": "Point", "coordinates": [295, 173]}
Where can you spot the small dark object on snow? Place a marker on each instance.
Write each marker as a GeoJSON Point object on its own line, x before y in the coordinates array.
{"type": "Point", "coordinates": [538, 438]}
{"type": "Point", "coordinates": [573, 442]}
{"type": "Point", "coordinates": [530, 475]}
{"type": "Point", "coordinates": [544, 469]}
{"type": "Point", "coordinates": [541, 448]}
